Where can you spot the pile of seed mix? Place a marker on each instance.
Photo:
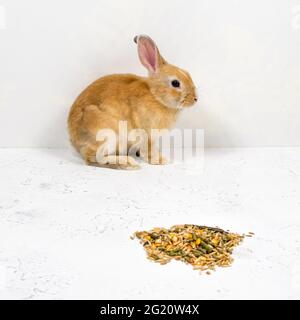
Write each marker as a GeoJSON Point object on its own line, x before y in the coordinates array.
{"type": "Point", "coordinates": [202, 247]}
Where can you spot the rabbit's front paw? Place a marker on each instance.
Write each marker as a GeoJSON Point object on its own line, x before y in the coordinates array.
{"type": "Point", "coordinates": [157, 160]}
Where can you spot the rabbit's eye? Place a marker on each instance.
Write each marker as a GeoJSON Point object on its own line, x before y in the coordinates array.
{"type": "Point", "coordinates": [175, 83]}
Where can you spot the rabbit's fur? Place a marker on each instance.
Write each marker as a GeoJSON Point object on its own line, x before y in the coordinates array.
{"type": "Point", "coordinates": [145, 103]}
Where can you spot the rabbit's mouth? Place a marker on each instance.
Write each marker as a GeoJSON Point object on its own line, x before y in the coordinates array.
{"type": "Point", "coordinates": [188, 101]}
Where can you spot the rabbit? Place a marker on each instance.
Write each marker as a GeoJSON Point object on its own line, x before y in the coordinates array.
{"type": "Point", "coordinates": [152, 102]}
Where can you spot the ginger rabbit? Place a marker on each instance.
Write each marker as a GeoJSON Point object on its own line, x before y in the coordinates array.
{"type": "Point", "coordinates": [146, 103]}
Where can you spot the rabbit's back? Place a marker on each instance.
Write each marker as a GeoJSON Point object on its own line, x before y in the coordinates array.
{"type": "Point", "coordinates": [103, 104]}
{"type": "Point", "coordinates": [114, 86]}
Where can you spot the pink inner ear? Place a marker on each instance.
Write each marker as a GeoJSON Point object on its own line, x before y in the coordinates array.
{"type": "Point", "coordinates": [148, 53]}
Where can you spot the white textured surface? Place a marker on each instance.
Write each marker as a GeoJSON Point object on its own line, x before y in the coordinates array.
{"type": "Point", "coordinates": [65, 227]}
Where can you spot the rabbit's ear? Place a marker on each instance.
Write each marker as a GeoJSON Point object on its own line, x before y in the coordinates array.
{"type": "Point", "coordinates": [148, 53]}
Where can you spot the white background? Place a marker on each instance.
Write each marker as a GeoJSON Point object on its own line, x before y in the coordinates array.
{"type": "Point", "coordinates": [243, 55]}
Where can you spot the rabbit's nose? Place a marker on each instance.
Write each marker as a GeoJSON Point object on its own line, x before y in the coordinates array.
{"type": "Point", "coordinates": [195, 99]}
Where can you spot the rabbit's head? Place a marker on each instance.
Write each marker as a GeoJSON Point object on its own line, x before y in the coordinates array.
{"type": "Point", "coordinates": [170, 85]}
